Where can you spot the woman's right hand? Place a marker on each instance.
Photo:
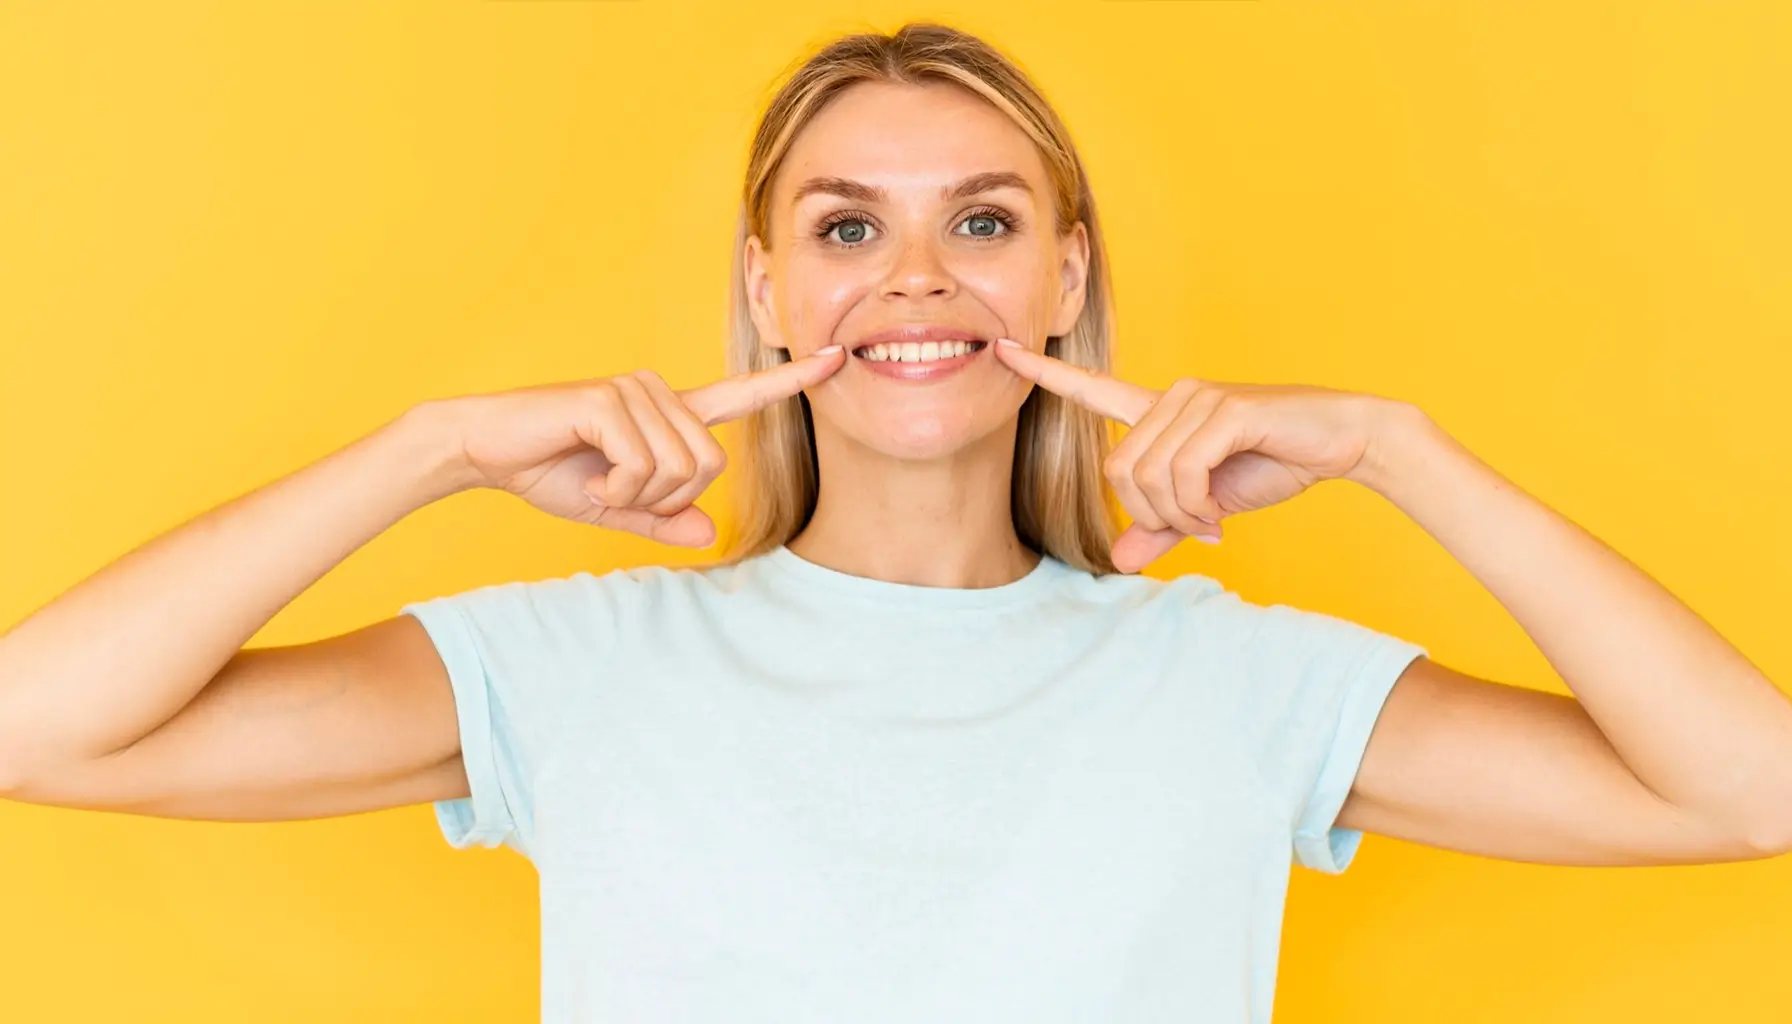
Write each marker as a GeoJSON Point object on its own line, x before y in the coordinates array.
{"type": "Point", "coordinates": [624, 452]}
{"type": "Point", "coordinates": [103, 706]}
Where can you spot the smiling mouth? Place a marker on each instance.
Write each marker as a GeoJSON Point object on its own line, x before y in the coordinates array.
{"type": "Point", "coordinates": [917, 351]}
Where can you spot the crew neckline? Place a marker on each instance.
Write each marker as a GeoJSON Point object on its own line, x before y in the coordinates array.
{"type": "Point", "coordinates": [913, 595]}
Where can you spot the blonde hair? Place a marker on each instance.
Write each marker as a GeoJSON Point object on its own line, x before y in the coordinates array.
{"type": "Point", "coordinates": [1062, 505]}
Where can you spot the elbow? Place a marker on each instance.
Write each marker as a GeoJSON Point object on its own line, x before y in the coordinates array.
{"type": "Point", "coordinates": [11, 782]}
{"type": "Point", "coordinates": [1765, 829]}
{"type": "Point", "coordinates": [12, 773]}
{"type": "Point", "coordinates": [19, 774]}
{"type": "Point", "coordinates": [1770, 838]}
{"type": "Point", "coordinates": [1769, 829]}
{"type": "Point", "coordinates": [15, 767]}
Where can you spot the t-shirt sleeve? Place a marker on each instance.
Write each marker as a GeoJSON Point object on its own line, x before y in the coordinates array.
{"type": "Point", "coordinates": [1325, 681]}
{"type": "Point", "coordinates": [517, 655]}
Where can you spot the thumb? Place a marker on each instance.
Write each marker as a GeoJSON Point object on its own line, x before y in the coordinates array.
{"type": "Point", "coordinates": [690, 527]}
{"type": "Point", "coordinates": [1137, 547]}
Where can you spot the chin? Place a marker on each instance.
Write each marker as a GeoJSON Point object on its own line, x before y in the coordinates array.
{"type": "Point", "coordinates": [922, 440]}
{"type": "Point", "coordinates": [921, 435]}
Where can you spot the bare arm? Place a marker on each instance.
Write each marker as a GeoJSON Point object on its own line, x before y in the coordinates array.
{"type": "Point", "coordinates": [133, 692]}
{"type": "Point", "coordinates": [132, 689]}
{"type": "Point", "coordinates": [356, 722]}
{"type": "Point", "coordinates": [1677, 750]}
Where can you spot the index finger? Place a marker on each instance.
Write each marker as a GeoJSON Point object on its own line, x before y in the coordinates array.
{"type": "Point", "coordinates": [1109, 396]}
{"type": "Point", "coordinates": [733, 397]}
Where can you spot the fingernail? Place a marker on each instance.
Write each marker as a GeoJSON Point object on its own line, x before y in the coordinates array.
{"type": "Point", "coordinates": [830, 350]}
{"type": "Point", "coordinates": [1010, 342]}
{"type": "Point", "coordinates": [1206, 539]}
{"type": "Point", "coordinates": [595, 500]}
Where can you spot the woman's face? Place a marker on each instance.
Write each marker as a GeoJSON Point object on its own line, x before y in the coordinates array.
{"type": "Point", "coordinates": [913, 225]}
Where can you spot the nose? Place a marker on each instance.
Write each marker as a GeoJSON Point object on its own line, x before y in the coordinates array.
{"type": "Point", "coordinates": [918, 272]}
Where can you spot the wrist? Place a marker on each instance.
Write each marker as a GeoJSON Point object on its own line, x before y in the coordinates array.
{"type": "Point", "coordinates": [428, 440]}
{"type": "Point", "coordinates": [1402, 440]}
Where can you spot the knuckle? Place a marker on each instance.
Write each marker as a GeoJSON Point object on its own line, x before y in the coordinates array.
{"type": "Point", "coordinates": [635, 467]}
{"type": "Point", "coordinates": [712, 460]}
{"type": "Point", "coordinates": [681, 466]}
{"type": "Point", "coordinates": [1234, 402]}
{"type": "Point", "coordinates": [1154, 476]}
{"type": "Point", "coordinates": [1194, 508]}
{"type": "Point", "coordinates": [603, 392]}
{"type": "Point", "coordinates": [1185, 463]}
{"type": "Point", "coordinates": [626, 385]}
{"type": "Point", "coordinates": [763, 395]}
{"type": "Point", "coordinates": [1182, 388]}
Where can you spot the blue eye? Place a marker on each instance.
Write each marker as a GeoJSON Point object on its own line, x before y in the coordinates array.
{"type": "Point", "coordinates": [987, 223]}
{"type": "Point", "coordinates": [984, 226]}
{"type": "Point", "coordinates": [848, 232]}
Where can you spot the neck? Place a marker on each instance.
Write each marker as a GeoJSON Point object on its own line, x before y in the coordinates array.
{"type": "Point", "coordinates": [938, 523]}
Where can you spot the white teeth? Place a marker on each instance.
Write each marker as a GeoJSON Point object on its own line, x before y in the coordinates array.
{"type": "Point", "coordinates": [915, 352]}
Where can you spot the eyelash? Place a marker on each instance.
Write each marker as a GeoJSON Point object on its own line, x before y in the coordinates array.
{"type": "Point", "coordinates": [833, 220]}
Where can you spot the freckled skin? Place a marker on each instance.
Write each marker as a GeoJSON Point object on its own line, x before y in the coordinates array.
{"type": "Point", "coordinates": [917, 258]}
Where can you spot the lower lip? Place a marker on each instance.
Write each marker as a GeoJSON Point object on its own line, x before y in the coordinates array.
{"type": "Point", "coordinates": [920, 371]}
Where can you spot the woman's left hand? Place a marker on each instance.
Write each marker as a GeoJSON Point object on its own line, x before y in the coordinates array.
{"type": "Point", "coordinates": [1203, 450]}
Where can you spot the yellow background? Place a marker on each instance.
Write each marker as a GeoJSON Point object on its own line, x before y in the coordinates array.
{"type": "Point", "coordinates": [234, 237]}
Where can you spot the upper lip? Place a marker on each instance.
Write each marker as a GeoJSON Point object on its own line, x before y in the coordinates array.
{"type": "Point", "coordinates": [917, 333]}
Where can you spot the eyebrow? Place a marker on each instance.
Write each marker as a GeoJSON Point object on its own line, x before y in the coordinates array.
{"type": "Point", "coordinates": [859, 192]}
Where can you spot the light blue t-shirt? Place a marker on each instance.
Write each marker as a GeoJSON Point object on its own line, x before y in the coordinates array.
{"type": "Point", "coordinates": [773, 792]}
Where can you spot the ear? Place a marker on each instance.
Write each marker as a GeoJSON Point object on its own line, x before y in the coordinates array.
{"type": "Point", "coordinates": [756, 266]}
{"type": "Point", "coordinates": [1073, 270]}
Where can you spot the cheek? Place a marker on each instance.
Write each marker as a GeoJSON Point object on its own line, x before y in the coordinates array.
{"type": "Point", "coordinates": [1018, 289]}
{"type": "Point", "coordinates": [819, 298]}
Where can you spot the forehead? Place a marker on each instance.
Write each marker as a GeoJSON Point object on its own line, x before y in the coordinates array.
{"type": "Point", "coordinates": [905, 137]}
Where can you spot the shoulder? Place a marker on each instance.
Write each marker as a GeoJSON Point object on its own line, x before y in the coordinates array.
{"type": "Point", "coordinates": [582, 598]}
{"type": "Point", "coordinates": [1201, 610]}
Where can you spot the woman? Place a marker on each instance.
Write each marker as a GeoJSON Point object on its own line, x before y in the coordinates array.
{"type": "Point", "coordinates": [923, 748]}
